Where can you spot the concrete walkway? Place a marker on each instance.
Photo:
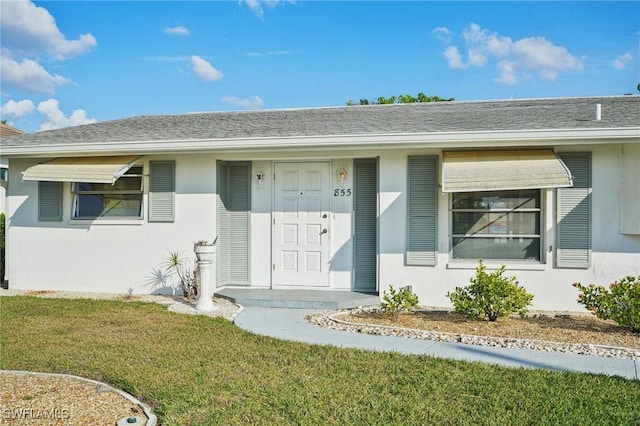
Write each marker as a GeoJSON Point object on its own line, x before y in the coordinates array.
{"type": "Point", "coordinates": [289, 324]}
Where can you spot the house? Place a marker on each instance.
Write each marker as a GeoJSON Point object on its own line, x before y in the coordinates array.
{"type": "Point", "coordinates": [5, 130]}
{"type": "Point", "coordinates": [351, 198]}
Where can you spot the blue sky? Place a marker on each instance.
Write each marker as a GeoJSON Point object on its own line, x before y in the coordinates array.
{"type": "Point", "coordinates": [70, 63]}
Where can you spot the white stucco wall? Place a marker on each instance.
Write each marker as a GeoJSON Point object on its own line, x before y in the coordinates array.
{"type": "Point", "coordinates": [614, 254]}
{"type": "Point", "coordinates": [115, 256]}
{"type": "Point", "coordinates": [106, 256]}
{"type": "Point", "coordinates": [630, 189]}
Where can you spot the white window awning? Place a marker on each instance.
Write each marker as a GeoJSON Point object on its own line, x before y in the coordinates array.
{"type": "Point", "coordinates": [81, 169]}
{"type": "Point", "coordinates": [466, 171]}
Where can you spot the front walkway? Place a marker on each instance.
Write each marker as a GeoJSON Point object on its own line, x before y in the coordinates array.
{"type": "Point", "coordinates": [290, 324]}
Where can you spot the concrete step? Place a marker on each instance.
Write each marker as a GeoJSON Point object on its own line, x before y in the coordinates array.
{"type": "Point", "coordinates": [297, 299]}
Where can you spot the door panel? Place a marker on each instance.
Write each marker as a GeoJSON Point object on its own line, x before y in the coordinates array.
{"type": "Point", "coordinates": [301, 224]}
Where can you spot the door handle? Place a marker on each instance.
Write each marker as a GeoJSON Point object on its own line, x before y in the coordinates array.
{"type": "Point", "coordinates": [324, 231]}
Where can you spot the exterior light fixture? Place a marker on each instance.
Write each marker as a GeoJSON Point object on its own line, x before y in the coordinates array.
{"type": "Point", "coordinates": [342, 174]}
{"type": "Point", "coordinates": [260, 177]}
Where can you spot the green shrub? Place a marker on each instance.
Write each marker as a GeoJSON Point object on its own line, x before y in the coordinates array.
{"type": "Point", "coordinates": [490, 294]}
{"type": "Point", "coordinates": [620, 302]}
{"type": "Point", "coordinates": [395, 301]}
{"type": "Point", "coordinates": [187, 274]}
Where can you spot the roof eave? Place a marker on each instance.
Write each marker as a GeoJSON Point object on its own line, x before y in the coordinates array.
{"type": "Point", "coordinates": [438, 140]}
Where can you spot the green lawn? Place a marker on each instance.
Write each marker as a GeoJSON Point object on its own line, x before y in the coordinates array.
{"type": "Point", "coordinates": [205, 371]}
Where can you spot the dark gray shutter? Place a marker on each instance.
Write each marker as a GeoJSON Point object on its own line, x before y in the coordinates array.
{"type": "Point", "coordinates": [574, 214]}
{"type": "Point", "coordinates": [239, 207]}
{"type": "Point", "coordinates": [50, 201]}
{"type": "Point", "coordinates": [422, 199]}
{"type": "Point", "coordinates": [365, 206]}
{"type": "Point", "coordinates": [162, 191]}
{"type": "Point", "coordinates": [223, 225]}
{"type": "Point", "coordinates": [234, 190]}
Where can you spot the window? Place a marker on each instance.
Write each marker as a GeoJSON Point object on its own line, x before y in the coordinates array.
{"type": "Point", "coordinates": [123, 199]}
{"type": "Point", "coordinates": [496, 225]}
{"type": "Point", "coordinates": [4, 176]}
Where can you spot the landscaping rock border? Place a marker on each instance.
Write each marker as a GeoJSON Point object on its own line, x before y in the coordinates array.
{"type": "Point", "coordinates": [328, 319]}
{"type": "Point", "coordinates": [67, 401]}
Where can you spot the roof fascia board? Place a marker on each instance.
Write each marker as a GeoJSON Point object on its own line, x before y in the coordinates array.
{"type": "Point", "coordinates": [496, 139]}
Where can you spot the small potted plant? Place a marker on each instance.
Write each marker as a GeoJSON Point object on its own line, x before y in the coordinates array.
{"type": "Point", "coordinates": [205, 253]}
{"type": "Point", "coordinates": [205, 250]}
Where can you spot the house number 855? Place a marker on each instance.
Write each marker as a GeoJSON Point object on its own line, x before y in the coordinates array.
{"type": "Point", "coordinates": [342, 192]}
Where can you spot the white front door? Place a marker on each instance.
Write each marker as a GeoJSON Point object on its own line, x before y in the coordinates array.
{"type": "Point", "coordinates": [301, 224]}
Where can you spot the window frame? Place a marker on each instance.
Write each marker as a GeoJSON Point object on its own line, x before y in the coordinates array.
{"type": "Point", "coordinates": [135, 171]}
{"type": "Point", "coordinates": [540, 225]}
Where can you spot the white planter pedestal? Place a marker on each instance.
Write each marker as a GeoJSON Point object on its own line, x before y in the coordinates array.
{"type": "Point", "coordinates": [205, 255]}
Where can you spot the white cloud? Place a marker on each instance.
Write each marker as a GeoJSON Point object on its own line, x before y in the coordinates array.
{"type": "Point", "coordinates": [622, 61]}
{"type": "Point", "coordinates": [256, 5]}
{"type": "Point", "coordinates": [538, 54]}
{"type": "Point", "coordinates": [477, 58]}
{"type": "Point", "coordinates": [443, 34]}
{"type": "Point", "coordinates": [507, 70]}
{"type": "Point", "coordinates": [513, 59]}
{"type": "Point", "coordinates": [454, 58]}
{"type": "Point", "coordinates": [486, 41]}
{"type": "Point", "coordinates": [55, 118]}
{"type": "Point", "coordinates": [178, 30]}
{"type": "Point", "coordinates": [18, 109]}
{"type": "Point", "coordinates": [28, 75]}
{"type": "Point", "coordinates": [252, 102]}
{"type": "Point", "coordinates": [29, 30]}
{"type": "Point", "coordinates": [204, 70]}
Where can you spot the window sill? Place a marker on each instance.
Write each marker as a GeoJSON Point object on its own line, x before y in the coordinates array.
{"type": "Point", "coordinates": [123, 221]}
{"type": "Point", "coordinates": [491, 265]}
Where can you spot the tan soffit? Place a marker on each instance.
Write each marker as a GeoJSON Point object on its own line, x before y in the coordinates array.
{"type": "Point", "coordinates": [465, 171]}
{"type": "Point", "coordinates": [81, 169]}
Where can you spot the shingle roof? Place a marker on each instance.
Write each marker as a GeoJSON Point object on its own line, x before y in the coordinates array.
{"type": "Point", "coordinates": [420, 118]}
{"type": "Point", "coordinates": [6, 130]}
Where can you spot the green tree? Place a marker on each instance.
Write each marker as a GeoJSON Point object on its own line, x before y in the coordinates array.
{"type": "Point", "coordinates": [400, 99]}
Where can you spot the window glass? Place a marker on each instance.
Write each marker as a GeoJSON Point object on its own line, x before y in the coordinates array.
{"type": "Point", "coordinates": [496, 225]}
{"type": "Point", "coordinates": [496, 200]}
{"type": "Point", "coordinates": [496, 248]}
{"type": "Point", "coordinates": [122, 199]}
{"type": "Point", "coordinates": [502, 223]}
